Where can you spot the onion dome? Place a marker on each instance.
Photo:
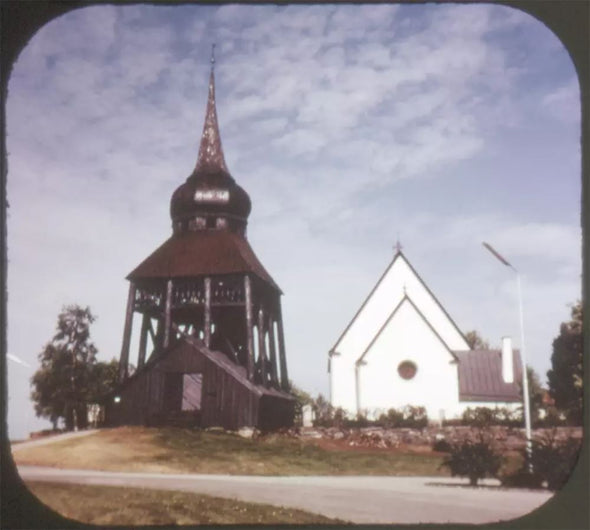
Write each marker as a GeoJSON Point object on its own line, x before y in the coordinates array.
{"type": "Point", "coordinates": [210, 197]}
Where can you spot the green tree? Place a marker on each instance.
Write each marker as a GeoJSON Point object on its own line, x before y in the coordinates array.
{"type": "Point", "coordinates": [475, 341]}
{"type": "Point", "coordinates": [104, 378]}
{"type": "Point", "coordinates": [61, 386]}
{"type": "Point", "coordinates": [536, 392]}
{"type": "Point", "coordinates": [565, 376]}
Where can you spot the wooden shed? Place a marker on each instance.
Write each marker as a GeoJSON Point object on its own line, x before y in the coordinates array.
{"type": "Point", "coordinates": [191, 385]}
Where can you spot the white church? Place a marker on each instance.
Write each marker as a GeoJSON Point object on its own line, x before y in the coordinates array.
{"type": "Point", "coordinates": [402, 348]}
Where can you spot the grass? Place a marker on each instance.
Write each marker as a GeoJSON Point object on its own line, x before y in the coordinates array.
{"type": "Point", "coordinates": [106, 505]}
{"type": "Point", "coordinates": [176, 450]}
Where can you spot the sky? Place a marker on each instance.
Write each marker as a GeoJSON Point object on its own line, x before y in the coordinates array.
{"type": "Point", "coordinates": [351, 127]}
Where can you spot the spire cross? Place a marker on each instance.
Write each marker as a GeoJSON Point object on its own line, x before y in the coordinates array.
{"type": "Point", "coordinates": [212, 55]}
{"type": "Point", "coordinates": [398, 245]}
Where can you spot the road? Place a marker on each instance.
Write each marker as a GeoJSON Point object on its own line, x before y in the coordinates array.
{"type": "Point", "coordinates": [359, 499]}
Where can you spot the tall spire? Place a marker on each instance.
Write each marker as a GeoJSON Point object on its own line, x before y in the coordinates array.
{"type": "Point", "coordinates": [210, 151]}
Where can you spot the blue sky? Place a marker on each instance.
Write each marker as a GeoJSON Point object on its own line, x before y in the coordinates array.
{"type": "Point", "coordinates": [349, 126]}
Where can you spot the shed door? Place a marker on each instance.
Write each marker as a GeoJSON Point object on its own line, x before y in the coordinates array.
{"type": "Point", "coordinates": [192, 386]}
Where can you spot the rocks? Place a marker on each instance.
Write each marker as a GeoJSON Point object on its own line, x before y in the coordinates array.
{"type": "Point", "coordinates": [247, 432]}
{"type": "Point", "coordinates": [509, 439]}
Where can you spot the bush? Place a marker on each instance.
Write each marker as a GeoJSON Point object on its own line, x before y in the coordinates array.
{"type": "Point", "coordinates": [486, 417]}
{"type": "Point", "coordinates": [409, 417]}
{"type": "Point", "coordinates": [475, 459]}
{"type": "Point", "coordinates": [554, 460]}
{"type": "Point", "coordinates": [442, 446]}
{"type": "Point", "coordinates": [552, 463]}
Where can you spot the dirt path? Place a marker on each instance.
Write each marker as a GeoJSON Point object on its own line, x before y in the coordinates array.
{"type": "Point", "coordinates": [51, 439]}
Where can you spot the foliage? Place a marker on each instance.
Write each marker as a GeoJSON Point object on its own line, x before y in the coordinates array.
{"type": "Point", "coordinates": [103, 379]}
{"type": "Point", "coordinates": [565, 376]}
{"type": "Point", "coordinates": [63, 384]}
{"type": "Point", "coordinates": [324, 412]}
{"type": "Point", "coordinates": [410, 417]}
{"type": "Point", "coordinates": [302, 398]}
{"type": "Point", "coordinates": [536, 393]}
{"type": "Point", "coordinates": [486, 417]}
{"type": "Point", "coordinates": [475, 459]}
{"type": "Point", "coordinates": [552, 461]}
{"type": "Point", "coordinates": [442, 446]}
{"type": "Point", "coordinates": [475, 341]}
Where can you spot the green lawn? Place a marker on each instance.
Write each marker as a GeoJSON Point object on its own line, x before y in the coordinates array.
{"type": "Point", "coordinates": [106, 505]}
{"type": "Point", "coordinates": [174, 450]}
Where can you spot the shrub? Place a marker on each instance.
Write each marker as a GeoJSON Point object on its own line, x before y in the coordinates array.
{"type": "Point", "coordinates": [415, 417]}
{"type": "Point", "coordinates": [410, 417]}
{"type": "Point", "coordinates": [486, 417]}
{"type": "Point", "coordinates": [475, 459]}
{"type": "Point", "coordinates": [442, 446]}
{"type": "Point", "coordinates": [553, 460]}
{"type": "Point", "coordinates": [552, 463]}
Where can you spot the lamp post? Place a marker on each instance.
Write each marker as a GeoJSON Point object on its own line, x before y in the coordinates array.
{"type": "Point", "coordinates": [525, 379]}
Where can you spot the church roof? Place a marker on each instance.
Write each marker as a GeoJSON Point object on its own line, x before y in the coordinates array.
{"type": "Point", "coordinates": [201, 253]}
{"type": "Point", "coordinates": [480, 376]}
{"type": "Point", "coordinates": [399, 255]}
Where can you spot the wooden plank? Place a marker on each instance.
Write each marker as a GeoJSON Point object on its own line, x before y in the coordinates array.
{"type": "Point", "coordinates": [167, 314]}
{"type": "Point", "coordinates": [262, 347]}
{"type": "Point", "coordinates": [273, 351]}
{"type": "Point", "coordinates": [124, 359]}
{"type": "Point", "coordinates": [282, 355]}
{"type": "Point", "coordinates": [207, 316]}
{"type": "Point", "coordinates": [249, 326]}
{"type": "Point", "coordinates": [143, 341]}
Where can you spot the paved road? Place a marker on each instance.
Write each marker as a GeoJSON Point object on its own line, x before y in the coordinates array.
{"type": "Point", "coordinates": [50, 439]}
{"type": "Point", "coordinates": [359, 499]}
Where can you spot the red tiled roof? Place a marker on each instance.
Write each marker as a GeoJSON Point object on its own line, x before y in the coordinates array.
{"type": "Point", "coordinates": [199, 253]}
{"type": "Point", "coordinates": [480, 376]}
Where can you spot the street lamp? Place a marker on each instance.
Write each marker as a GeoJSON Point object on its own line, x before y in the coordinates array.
{"type": "Point", "coordinates": [525, 379]}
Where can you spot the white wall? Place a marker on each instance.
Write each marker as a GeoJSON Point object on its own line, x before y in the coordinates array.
{"type": "Point", "coordinates": [408, 337]}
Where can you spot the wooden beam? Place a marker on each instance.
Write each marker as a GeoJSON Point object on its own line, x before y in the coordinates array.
{"type": "Point", "coordinates": [262, 347]}
{"type": "Point", "coordinates": [168, 314]}
{"type": "Point", "coordinates": [143, 340]}
{"type": "Point", "coordinates": [151, 332]}
{"type": "Point", "coordinates": [124, 360]}
{"type": "Point", "coordinates": [282, 356]}
{"type": "Point", "coordinates": [273, 351]}
{"type": "Point", "coordinates": [249, 326]}
{"type": "Point", "coordinates": [207, 313]}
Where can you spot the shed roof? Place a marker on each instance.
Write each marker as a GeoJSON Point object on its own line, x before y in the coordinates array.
{"type": "Point", "coordinates": [480, 376]}
{"type": "Point", "coordinates": [200, 253]}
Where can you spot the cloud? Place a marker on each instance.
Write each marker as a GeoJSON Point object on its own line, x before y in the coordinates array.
{"type": "Point", "coordinates": [564, 102]}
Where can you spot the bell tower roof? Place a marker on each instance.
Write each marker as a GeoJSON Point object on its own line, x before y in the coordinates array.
{"type": "Point", "coordinates": [210, 197]}
{"type": "Point", "coordinates": [211, 159]}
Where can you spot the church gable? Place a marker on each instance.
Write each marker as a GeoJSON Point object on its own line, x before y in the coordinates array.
{"type": "Point", "coordinates": [407, 363]}
{"type": "Point", "coordinates": [399, 279]}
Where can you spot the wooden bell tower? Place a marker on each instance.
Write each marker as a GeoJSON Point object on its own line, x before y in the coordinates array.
{"type": "Point", "coordinates": [205, 282]}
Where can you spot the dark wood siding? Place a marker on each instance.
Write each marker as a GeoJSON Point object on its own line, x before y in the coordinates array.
{"type": "Point", "coordinates": [154, 395]}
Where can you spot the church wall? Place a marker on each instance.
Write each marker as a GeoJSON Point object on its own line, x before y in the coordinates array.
{"type": "Point", "coordinates": [407, 337]}
{"type": "Point", "coordinates": [342, 383]}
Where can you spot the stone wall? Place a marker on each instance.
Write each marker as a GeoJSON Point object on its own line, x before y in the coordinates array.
{"type": "Point", "coordinates": [378, 437]}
